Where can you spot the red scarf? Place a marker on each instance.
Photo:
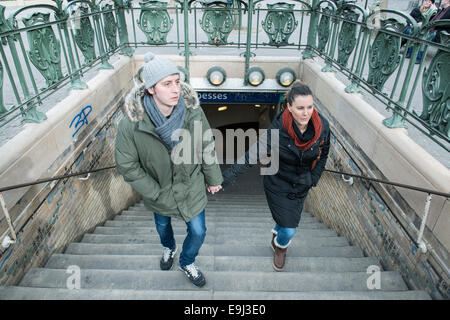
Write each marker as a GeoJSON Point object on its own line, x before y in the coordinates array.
{"type": "Point", "coordinates": [287, 119]}
{"type": "Point", "coordinates": [440, 14]}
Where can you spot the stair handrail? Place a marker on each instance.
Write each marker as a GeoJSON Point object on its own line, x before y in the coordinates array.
{"type": "Point", "coordinates": [39, 181]}
{"type": "Point", "coordinates": [419, 241]}
{"type": "Point", "coordinates": [396, 184]}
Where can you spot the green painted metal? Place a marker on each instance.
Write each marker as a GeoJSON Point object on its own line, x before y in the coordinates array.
{"type": "Point", "coordinates": [384, 55]}
{"type": "Point", "coordinates": [155, 22]}
{"type": "Point", "coordinates": [334, 22]}
{"type": "Point", "coordinates": [385, 58]}
{"type": "Point", "coordinates": [29, 114]}
{"type": "Point", "coordinates": [187, 52]}
{"type": "Point", "coordinates": [347, 35]}
{"type": "Point", "coordinates": [2, 107]}
{"type": "Point", "coordinates": [248, 53]}
{"type": "Point", "coordinates": [110, 26]}
{"type": "Point", "coordinates": [435, 90]}
{"type": "Point", "coordinates": [75, 83]}
{"type": "Point", "coordinates": [309, 53]}
{"type": "Point", "coordinates": [363, 33]}
{"type": "Point", "coordinates": [364, 47]}
{"type": "Point", "coordinates": [279, 23]}
{"type": "Point", "coordinates": [4, 27]}
{"type": "Point", "coordinates": [120, 6]}
{"type": "Point", "coordinates": [217, 21]}
{"type": "Point", "coordinates": [100, 38]}
{"type": "Point", "coordinates": [324, 29]}
{"type": "Point", "coordinates": [84, 33]}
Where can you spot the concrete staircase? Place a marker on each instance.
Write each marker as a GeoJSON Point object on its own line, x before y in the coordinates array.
{"type": "Point", "coordinates": [120, 260]}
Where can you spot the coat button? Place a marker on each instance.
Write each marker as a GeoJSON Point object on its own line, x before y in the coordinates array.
{"type": "Point", "coordinates": [294, 185]}
{"type": "Point", "coordinates": [174, 174]}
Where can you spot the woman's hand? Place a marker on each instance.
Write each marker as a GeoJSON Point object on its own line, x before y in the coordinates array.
{"type": "Point", "coordinates": [213, 189]}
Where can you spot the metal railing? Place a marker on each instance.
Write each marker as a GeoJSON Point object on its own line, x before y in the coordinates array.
{"type": "Point", "coordinates": [56, 45]}
{"type": "Point", "coordinates": [419, 241]}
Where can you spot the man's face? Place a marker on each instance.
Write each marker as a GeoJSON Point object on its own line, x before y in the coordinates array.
{"type": "Point", "coordinates": [166, 92]}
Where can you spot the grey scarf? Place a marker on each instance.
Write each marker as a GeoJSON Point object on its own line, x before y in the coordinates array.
{"type": "Point", "coordinates": [164, 127]}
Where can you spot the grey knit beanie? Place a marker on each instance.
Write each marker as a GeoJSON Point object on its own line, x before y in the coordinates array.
{"type": "Point", "coordinates": [156, 69]}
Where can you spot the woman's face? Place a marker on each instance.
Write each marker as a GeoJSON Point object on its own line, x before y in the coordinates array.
{"type": "Point", "coordinates": [302, 109]}
{"type": "Point", "coordinates": [427, 3]}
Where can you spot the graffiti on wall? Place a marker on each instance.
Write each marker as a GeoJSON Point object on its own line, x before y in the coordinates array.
{"type": "Point", "coordinates": [80, 119]}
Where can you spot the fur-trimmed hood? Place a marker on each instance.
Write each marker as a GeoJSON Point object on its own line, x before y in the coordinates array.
{"type": "Point", "coordinates": [133, 101]}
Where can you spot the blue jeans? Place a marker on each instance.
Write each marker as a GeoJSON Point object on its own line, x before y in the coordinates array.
{"type": "Point", "coordinates": [196, 232]}
{"type": "Point", "coordinates": [284, 235]}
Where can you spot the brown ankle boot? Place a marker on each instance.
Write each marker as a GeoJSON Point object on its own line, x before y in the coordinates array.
{"type": "Point", "coordinates": [272, 243]}
{"type": "Point", "coordinates": [279, 258]}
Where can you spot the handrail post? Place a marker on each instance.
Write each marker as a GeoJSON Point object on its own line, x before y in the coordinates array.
{"type": "Point", "coordinates": [249, 40]}
{"type": "Point", "coordinates": [187, 52]}
{"type": "Point", "coordinates": [309, 53]}
{"type": "Point", "coordinates": [30, 113]}
{"type": "Point", "coordinates": [122, 28]}
{"type": "Point", "coordinates": [8, 219]}
{"type": "Point", "coordinates": [104, 56]}
{"type": "Point", "coordinates": [334, 30]}
{"type": "Point", "coordinates": [420, 242]}
{"type": "Point", "coordinates": [75, 78]}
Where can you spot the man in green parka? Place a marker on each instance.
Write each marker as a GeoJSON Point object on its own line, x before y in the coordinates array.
{"type": "Point", "coordinates": [148, 151]}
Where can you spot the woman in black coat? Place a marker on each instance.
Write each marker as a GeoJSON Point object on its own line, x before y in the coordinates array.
{"type": "Point", "coordinates": [304, 141]}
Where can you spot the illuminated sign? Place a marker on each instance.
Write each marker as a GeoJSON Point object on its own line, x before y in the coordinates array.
{"type": "Point", "coordinates": [241, 97]}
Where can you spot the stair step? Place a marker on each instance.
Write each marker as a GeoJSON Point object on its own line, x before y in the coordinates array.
{"type": "Point", "coordinates": [211, 224]}
{"type": "Point", "coordinates": [300, 249]}
{"type": "Point", "coordinates": [208, 263]}
{"type": "Point", "coordinates": [120, 262]}
{"type": "Point", "coordinates": [122, 217]}
{"type": "Point", "coordinates": [234, 232]}
{"type": "Point", "coordinates": [224, 210]}
{"type": "Point", "coordinates": [216, 280]}
{"type": "Point", "coordinates": [220, 213]}
{"type": "Point", "coordinates": [214, 213]}
{"type": "Point", "coordinates": [210, 239]}
{"type": "Point", "coordinates": [30, 293]}
{"type": "Point", "coordinates": [322, 295]}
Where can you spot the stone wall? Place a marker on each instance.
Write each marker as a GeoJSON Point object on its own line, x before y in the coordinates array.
{"type": "Point", "coordinates": [380, 219]}
{"type": "Point", "coordinates": [64, 211]}
{"type": "Point", "coordinates": [47, 217]}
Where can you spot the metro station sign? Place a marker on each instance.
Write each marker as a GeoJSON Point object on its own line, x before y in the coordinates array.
{"type": "Point", "coordinates": [240, 97]}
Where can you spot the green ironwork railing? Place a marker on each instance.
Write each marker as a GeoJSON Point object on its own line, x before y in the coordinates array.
{"type": "Point", "coordinates": [44, 47]}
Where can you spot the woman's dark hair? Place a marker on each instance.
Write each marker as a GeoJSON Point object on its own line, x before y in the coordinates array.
{"type": "Point", "coordinates": [298, 89]}
{"type": "Point", "coordinates": [415, 13]}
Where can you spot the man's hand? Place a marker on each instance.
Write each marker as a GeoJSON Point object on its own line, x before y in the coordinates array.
{"type": "Point", "coordinates": [213, 189]}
